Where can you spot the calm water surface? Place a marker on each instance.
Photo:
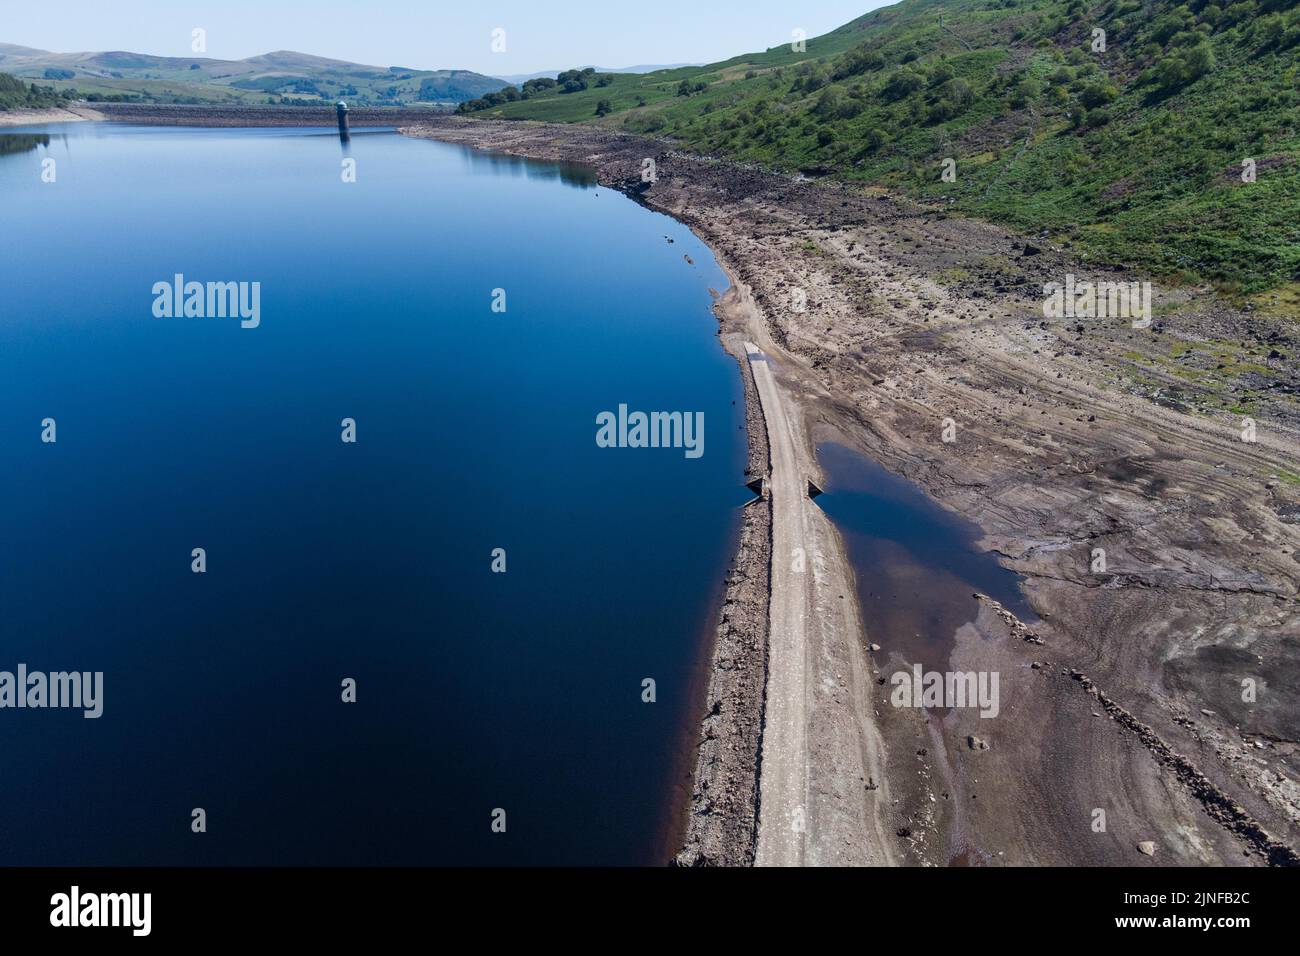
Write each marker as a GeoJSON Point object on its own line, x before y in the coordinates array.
{"type": "Point", "coordinates": [327, 560]}
{"type": "Point", "coordinates": [917, 565]}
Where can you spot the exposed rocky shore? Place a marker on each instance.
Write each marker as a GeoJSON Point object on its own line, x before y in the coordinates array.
{"type": "Point", "coordinates": [1071, 436]}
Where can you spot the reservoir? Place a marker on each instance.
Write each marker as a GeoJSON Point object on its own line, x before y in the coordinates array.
{"type": "Point", "coordinates": [472, 315]}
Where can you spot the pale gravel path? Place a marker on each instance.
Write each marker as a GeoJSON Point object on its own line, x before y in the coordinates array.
{"type": "Point", "coordinates": [820, 775]}
{"type": "Point", "coordinates": [783, 779]}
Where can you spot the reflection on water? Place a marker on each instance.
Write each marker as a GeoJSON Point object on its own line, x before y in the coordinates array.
{"type": "Point", "coordinates": [916, 564]}
{"type": "Point", "coordinates": [572, 174]}
{"type": "Point", "coordinates": [23, 142]}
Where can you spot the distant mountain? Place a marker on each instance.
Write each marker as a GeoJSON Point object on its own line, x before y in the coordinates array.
{"type": "Point", "coordinates": [281, 76]}
{"type": "Point", "coordinates": [517, 78]}
{"type": "Point", "coordinates": [10, 49]}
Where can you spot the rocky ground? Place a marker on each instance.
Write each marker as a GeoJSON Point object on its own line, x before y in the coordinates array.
{"type": "Point", "coordinates": [722, 825]}
{"type": "Point", "coordinates": [1150, 716]}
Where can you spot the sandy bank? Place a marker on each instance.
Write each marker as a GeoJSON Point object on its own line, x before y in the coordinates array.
{"type": "Point", "coordinates": [40, 117]}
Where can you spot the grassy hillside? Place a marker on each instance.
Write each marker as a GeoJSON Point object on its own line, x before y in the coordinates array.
{"type": "Point", "coordinates": [15, 94]}
{"type": "Point", "coordinates": [281, 77]}
{"type": "Point", "coordinates": [1131, 153]}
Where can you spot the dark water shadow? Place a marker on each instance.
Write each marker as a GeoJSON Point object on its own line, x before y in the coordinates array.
{"type": "Point", "coordinates": [916, 564]}
{"type": "Point", "coordinates": [571, 174]}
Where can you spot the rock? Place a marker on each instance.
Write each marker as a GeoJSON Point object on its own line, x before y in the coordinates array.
{"type": "Point", "coordinates": [976, 743]}
{"type": "Point", "coordinates": [1147, 848]}
{"type": "Point", "coordinates": [873, 647]}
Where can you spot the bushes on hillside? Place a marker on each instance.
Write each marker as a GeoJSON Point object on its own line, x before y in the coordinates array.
{"type": "Point", "coordinates": [539, 85]}
{"type": "Point", "coordinates": [951, 100]}
{"type": "Point", "coordinates": [1177, 70]}
{"type": "Point", "coordinates": [15, 94]}
{"type": "Point", "coordinates": [902, 83]}
{"type": "Point", "coordinates": [1098, 94]}
{"type": "Point", "coordinates": [1023, 92]}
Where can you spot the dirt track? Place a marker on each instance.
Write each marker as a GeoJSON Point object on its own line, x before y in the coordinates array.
{"type": "Point", "coordinates": [821, 750]}
{"type": "Point", "coordinates": [1071, 436]}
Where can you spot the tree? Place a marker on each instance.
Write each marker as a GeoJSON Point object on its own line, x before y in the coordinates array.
{"type": "Point", "coordinates": [1024, 92]}
{"type": "Point", "coordinates": [1199, 60]}
{"type": "Point", "coordinates": [903, 83]}
{"type": "Point", "coordinates": [827, 103]}
{"type": "Point", "coordinates": [604, 108]}
{"type": "Point", "coordinates": [1096, 118]}
{"type": "Point", "coordinates": [1097, 94]}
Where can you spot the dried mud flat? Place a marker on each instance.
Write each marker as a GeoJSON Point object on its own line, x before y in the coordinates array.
{"type": "Point", "coordinates": [1130, 695]}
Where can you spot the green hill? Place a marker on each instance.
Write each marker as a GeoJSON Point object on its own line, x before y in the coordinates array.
{"type": "Point", "coordinates": [1132, 153]}
{"type": "Point", "coordinates": [280, 77]}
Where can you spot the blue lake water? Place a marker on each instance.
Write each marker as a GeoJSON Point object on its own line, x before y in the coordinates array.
{"type": "Point", "coordinates": [371, 561]}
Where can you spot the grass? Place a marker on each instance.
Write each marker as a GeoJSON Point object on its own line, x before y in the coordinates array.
{"type": "Point", "coordinates": [1132, 155]}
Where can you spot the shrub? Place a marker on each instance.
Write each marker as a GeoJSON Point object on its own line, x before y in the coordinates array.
{"type": "Point", "coordinates": [1096, 118]}
{"type": "Point", "coordinates": [1098, 94]}
{"type": "Point", "coordinates": [902, 83]}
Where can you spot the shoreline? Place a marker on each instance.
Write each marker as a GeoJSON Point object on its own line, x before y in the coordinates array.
{"type": "Point", "coordinates": [167, 114]}
{"type": "Point", "coordinates": [43, 116]}
{"type": "Point", "coordinates": [882, 353]}
{"type": "Point", "coordinates": [838, 819]}
{"type": "Point", "coordinates": [1123, 696]}
{"type": "Point", "coordinates": [721, 825]}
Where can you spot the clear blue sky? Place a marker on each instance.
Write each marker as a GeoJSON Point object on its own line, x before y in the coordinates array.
{"type": "Point", "coordinates": [431, 34]}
